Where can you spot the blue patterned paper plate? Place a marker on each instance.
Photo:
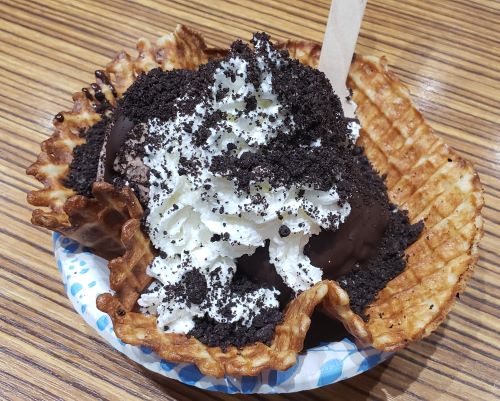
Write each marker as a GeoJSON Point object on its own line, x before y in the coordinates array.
{"type": "Point", "coordinates": [85, 276]}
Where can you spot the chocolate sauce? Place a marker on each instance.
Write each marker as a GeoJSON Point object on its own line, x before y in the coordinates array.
{"type": "Point", "coordinates": [356, 241]}
{"type": "Point", "coordinates": [98, 92]}
{"type": "Point", "coordinates": [87, 94]}
{"type": "Point", "coordinates": [117, 135]}
{"type": "Point", "coordinates": [100, 74]}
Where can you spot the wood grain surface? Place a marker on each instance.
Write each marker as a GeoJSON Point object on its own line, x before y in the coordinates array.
{"type": "Point", "coordinates": [448, 52]}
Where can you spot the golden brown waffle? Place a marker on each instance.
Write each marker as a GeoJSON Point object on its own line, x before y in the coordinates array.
{"type": "Point", "coordinates": [306, 52]}
{"type": "Point", "coordinates": [99, 220]}
{"type": "Point", "coordinates": [432, 182]}
{"type": "Point", "coordinates": [424, 176]}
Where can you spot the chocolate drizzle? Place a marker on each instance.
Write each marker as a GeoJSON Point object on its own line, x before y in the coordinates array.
{"type": "Point", "coordinates": [338, 252]}
{"type": "Point", "coordinates": [98, 92]}
{"type": "Point", "coordinates": [87, 94]}
{"type": "Point", "coordinates": [101, 75]}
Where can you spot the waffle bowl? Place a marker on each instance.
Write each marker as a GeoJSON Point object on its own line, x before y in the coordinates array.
{"type": "Point", "coordinates": [423, 176]}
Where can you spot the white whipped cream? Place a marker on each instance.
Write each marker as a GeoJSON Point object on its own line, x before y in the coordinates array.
{"type": "Point", "coordinates": [186, 211]}
{"type": "Point", "coordinates": [354, 128]}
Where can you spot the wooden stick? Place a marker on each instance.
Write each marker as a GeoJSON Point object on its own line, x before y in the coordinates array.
{"type": "Point", "coordinates": [339, 42]}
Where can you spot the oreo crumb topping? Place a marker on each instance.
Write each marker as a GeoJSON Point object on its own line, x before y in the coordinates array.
{"type": "Point", "coordinates": [196, 286]}
{"type": "Point", "coordinates": [192, 288]}
{"type": "Point", "coordinates": [213, 333]}
{"type": "Point", "coordinates": [154, 95]}
{"type": "Point", "coordinates": [83, 168]}
{"type": "Point", "coordinates": [315, 114]}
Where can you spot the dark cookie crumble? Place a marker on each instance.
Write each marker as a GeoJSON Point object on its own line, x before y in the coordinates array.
{"type": "Point", "coordinates": [83, 168]}
{"type": "Point", "coordinates": [315, 113]}
{"type": "Point", "coordinates": [365, 281]}
{"type": "Point", "coordinates": [213, 333]}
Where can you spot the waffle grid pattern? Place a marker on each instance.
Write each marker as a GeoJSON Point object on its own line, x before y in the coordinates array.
{"type": "Point", "coordinates": [433, 183]}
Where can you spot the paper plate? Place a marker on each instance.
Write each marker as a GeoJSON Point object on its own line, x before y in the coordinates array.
{"type": "Point", "coordinates": [85, 276]}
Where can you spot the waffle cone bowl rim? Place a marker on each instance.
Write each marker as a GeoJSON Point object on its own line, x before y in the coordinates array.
{"type": "Point", "coordinates": [305, 51]}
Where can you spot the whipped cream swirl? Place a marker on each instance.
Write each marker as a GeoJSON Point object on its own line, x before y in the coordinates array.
{"type": "Point", "coordinates": [202, 221]}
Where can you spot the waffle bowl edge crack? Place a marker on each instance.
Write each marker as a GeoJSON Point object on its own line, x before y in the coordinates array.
{"type": "Point", "coordinates": [423, 176]}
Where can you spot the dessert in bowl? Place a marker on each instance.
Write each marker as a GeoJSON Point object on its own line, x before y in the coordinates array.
{"type": "Point", "coordinates": [233, 198]}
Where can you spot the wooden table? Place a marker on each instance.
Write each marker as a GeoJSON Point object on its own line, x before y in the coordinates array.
{"type": "Point", "coordinates": [448, 52]}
